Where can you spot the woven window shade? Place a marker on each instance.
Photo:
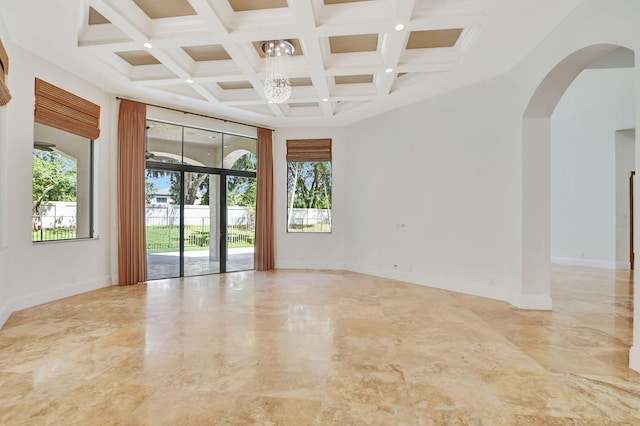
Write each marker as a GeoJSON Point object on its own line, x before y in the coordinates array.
{"type": "Point", "coordinates": [62, 110]}
{"type": "Point", "coordinates": [300, 150]}
{"type": "Point", "coordinates": [5, 96]}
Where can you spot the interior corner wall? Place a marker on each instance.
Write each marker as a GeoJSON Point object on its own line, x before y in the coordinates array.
{"type": "Point", "coordinates": [310, 250]}
{"type": "Point", "coordinates": [583, 166]}
{"type": "Point", "coordinates": [4, 189]}
{"type": "Point", "coordinates": [431, 198]}
{"type": "Point", "coordinates": [4, 211]}
{"type": "Point", "coordinates": [38, 273]}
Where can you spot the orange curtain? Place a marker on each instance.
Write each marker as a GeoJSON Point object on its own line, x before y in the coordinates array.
{"type": "Point", "coordinates": [264, 256]}
{"type": "Point", "coordinates": [132, 256]}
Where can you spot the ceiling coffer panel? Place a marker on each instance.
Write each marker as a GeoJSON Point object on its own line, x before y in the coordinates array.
{"type": "Point", "coordinates": [206, 55]}
{"type": "Point", "coordinates": [354, 43]}
{"type": "Point", "coordinates": [211, 52]}
{"type": "Point", "coordinates": [138, 57]}
{"type": "Point", "coordinates": [354, 79]}
{"type": "Point", "coordinates": [430, 39]}
{"type": "Point", "coordinates": [247, 5]}
{"type": "Point", "coordinates": [95, 18]}
{"type": "Point", "coordinates": [156, 9]}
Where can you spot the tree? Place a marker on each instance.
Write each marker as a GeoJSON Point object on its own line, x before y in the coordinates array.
{"type": "Point", "coordinates": [149, 190]}
{"type": "Point", "coordinates": [312, 183]}
{"type": "Point", "coordinates": [193, 184]}
{"type": "Point", "coordinates": [54, 178]}
{"type": "Point", "coordinates": [196, 185]}
{"type": "Point", "coordinates": [241, 191]}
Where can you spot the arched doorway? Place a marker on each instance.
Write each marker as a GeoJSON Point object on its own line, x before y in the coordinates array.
{"type": "Point", "coordinates": [536, 174]}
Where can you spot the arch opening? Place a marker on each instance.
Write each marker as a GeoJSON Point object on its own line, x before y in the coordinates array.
{"type": "Point", "coordinates": [535, 290]}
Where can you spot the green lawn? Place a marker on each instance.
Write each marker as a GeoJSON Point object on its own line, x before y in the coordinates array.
{"type": "Point", "coordinates": [53, 234]}
{"type": "Point", "coordinates": [316, 227]}
{"type": "Point", "coordinates": [167, 238]}
{"type": "Point", "coordinates": [162, 239]}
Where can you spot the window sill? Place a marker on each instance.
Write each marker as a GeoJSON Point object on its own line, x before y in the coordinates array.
{"type": "Point", "coordinates": [47, 242]}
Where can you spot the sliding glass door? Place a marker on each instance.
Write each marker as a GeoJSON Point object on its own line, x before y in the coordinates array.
{"type": "Point", "coordinates": [162, 187]}
{"type": "Point", "coordinates": [202, 227]}
{"type": "Point", "coordinates": [200, 201]}
{"type": "Point", "coordinates": [241, 201]}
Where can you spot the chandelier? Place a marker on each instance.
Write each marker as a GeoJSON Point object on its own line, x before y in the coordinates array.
{"type": "Point", "coordinates": [277, 87]}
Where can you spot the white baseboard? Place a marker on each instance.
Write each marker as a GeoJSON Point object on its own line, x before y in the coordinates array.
{"type": "Point", "coordinates": [5, 312]}
{"type": "Point", "coordinates": [413, 278]}
{"type": "Point", "coordinates": [28, 300]}
{"type": "Point", "coordinates": [309, 265]}
{"type": "Point", "coordinates": [634, 358]}
{"type": "Point", "coordinates": [625, 266]}
{"type": "Point", "coordinates": [533, 302]}
{"type": "Point", "coordinates": [590, 263]}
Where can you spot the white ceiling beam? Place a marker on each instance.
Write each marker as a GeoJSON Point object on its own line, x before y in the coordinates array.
{"type": "Point", "coordinates": [304, 13]}
{"type": "Point", "coordinates": [392, 45]}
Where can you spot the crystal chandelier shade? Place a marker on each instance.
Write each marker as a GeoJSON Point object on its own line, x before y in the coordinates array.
{"type": "Point", "coordinates": [277, 87]}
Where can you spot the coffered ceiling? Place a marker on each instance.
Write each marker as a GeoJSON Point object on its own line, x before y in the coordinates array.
{"type": "Point", "coordinates": [353, 58]}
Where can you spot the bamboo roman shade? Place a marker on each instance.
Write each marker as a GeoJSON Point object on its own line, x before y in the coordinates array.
{"type": "Point", "coordinates": [62, 110]}
{"type": "Point", "coordinates": [300, 150]}
{"type": "Point", "coordinates": [5, 96]}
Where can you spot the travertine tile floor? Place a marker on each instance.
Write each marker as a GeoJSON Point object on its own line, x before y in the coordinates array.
{"type": "Point", "coordinates": [309, 347]}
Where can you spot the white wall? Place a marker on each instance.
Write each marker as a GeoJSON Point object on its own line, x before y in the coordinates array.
{"type": "Point", "coordinates": [37, 273]}
{"type": "Point", "coordinates": [310, 250]}
{"type": "Point", "coordinates": [437, 175]}
{"type": "Point", "coordinates": [462, 187]}
{"type": "Point", "coordinates": [4, 206]}
{"type": "Point", "coordinates": [583, 166]}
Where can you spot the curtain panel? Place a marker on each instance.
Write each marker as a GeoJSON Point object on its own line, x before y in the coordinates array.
{"type": "Point", "coordinates": [132, 256]}
{"type": "Point", "coordinates": [264, 256]}
{"type": "Point", "coordinates": [5, 96]}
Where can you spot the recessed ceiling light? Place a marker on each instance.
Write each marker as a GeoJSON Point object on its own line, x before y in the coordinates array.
{"type": "Point", "coordinates": [189, 81]}
{"type": "Point", "coordinates": [147, 45]}
{"type": "Point", "coordinates": [388, 70]}
{"type": "Point", "coordinates": [325, 99]}
{"type": "Point", "coordinates": [399, 27]}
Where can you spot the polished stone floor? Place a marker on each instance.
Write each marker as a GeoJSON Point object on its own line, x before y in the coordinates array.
{"type": "Point", "coordinates": [331, 348]}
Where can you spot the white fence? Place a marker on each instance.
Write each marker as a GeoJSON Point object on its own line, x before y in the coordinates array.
{"type": "Point", "coordinates": [57, 214]}
{"type": "Point", "coordinates": [309, 220]}
{"type": "Point", "coordinates": [169, 214]}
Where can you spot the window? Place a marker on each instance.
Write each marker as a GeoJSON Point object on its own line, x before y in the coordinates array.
{"type": "Point", "coordinates": [309, 185]}
{"type": "Point", "coordinates": [61, 185]}
{"type": "Point", "coordinates": [62, 197]}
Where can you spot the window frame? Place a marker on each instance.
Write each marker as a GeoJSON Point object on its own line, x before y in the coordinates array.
{"type": "Point", "coordinates": [309, 151]}
{"type": "Point", "coordinates": [90, 202]}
